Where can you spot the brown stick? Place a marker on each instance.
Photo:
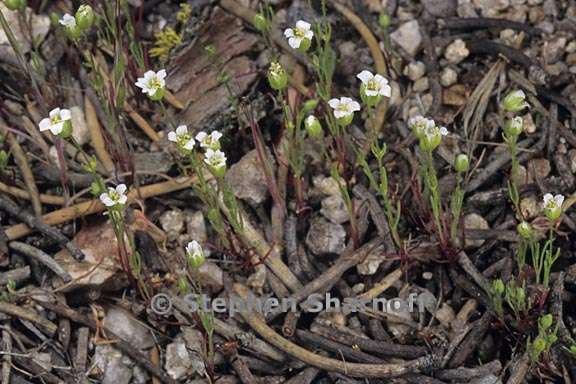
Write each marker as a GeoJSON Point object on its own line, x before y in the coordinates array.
{"type": "Point", "coordinates": [22, 194]}
{"type": "Point", "coordinates": [97, 139]}
{"type": "Point", "coordinates": [351, 369]}
{"type": "Point", "coordinates": [41, 257]}
{"type": "Point", "coordinates": [121, 344]}
{"type": "Point", "coordinates": [26, 314]}
{"type": "Point", "coordinates": [94, 206]}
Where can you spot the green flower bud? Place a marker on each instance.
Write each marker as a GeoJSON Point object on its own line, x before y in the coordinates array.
{"type": "Point", "coordinates": [277, 76]}
{"type": "Point", "coordinates": [384, 20]}
{"type": "Point", "coordinates": [195, 254]}
{"type": "Point", "coordinates": [304, 45]}
{"type": "Point", "coordinates": [66, 130]}
{"type": "Point", "coordinates": [313, 126]}
{"type": "Point", "coordinates": [85, 17]}
{"type": "Point", "coordinates": [15, 5]}
{"type": "Point", "coordinates": [539, 346]}
{"type": "Point", "coordinates": [158, 95]}
{"type": "Point", "coordinates": [432, 137]}
{"type": "Point", "coordinates": [309, 105]}
{"type": "Point", "coordinates": [545, 322]}
{"type": "Point", "coordinates": [346, 120]}
{"type": "Point", "coordinates": [260, 22]}
{"type": "Point", "coordinates": [461, 163]}
{"type": "Point", "coordinates": [525, 230]}
{"type": "Point", "coordinates": [515, 101]}
{"type": "Point", "coordinates": [520, 294]}
{"type": "Point", "coordinates": [183, 286]}
{"type": "Point", "coordinates": [498, 287]}
{"type": "Point", "coordinates": [514, 127]}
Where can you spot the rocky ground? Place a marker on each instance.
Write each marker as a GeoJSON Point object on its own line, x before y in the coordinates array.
{"type": "Point", "coordinates": [72, 307]}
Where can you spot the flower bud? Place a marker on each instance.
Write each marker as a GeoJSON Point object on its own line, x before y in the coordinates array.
{"type": "Point", "coordinates": [260, 22]}
{"type": "Point", "coordinates": [66, 130]}
{"type": "Point", "coordinates": [515, 101]}
{"type": "Point", "coordinates": [346, 120]}
{"type": "Point", "coordinates": [514, 127]}
{"type": "Point", "coordinates": [498, 287]}
{"type": "Point", "coordinates": [553, 206]}
{"type": "Point", "coordinates": [85, 17]}
{"type": "Point", "coordinates": [525, 230]}
{"type": "Point", "coordinates": [309, 105]}
{"type": "Point", "coordinates": [545, 321]}
{"type": "Point", "coordinates": [15, 5]}
{"type": "Point", "coordinates": [277, 76]}
{"type": "Point", "coordinates": [461, 163]}
{"type": "Point", "coordinates": [195, 254]}
{"type": "Point", "coordinates": [313, 126]}
{"type": "Point", "coordinates": [538, 346]}
{"type": "Point", "coordinates": [384, 20]}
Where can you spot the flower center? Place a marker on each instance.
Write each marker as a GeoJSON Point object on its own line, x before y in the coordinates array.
{"type": "Point", "coordinates": [372, 85]}
{"type": "Point", "coordinates": [154, 83]}
{"type": "Point", "coordinates": [299, 33]}
{"type": "Point", "coordinates": [115, 196]}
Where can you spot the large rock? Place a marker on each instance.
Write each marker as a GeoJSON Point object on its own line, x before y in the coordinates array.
{"type": "Point", "coordinates": [40, 27]}
{"type": "Point", "coordinates": [125, 326]}
{"type": "Point", "coordinates": [441, 8]}
{"type": "Point", "coordinates": [325, 237]}
{"type": "Point", "coordinates": [248, 179]}
{"type": "Point", "coordinates": [408, 37]}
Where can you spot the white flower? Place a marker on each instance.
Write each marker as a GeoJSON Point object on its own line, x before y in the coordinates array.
{"type": "Point", "coordinates": [296, 35]}
{"type": "Point", "coordinates": [114, 196]}
{"type": "Point", "coordinates": [419, 124]}
{"type": "Point", "coordinates": [152, 82]}
{"type": "Point", "coordinates": [215, 158]}
{"type": "Point", "coordinates": [195, 254]}
{"type": "Point", "coordinates": [553, 206]}
{"type": "Point", "coordinates": [374, 85]}
{"type": "Point", "coordinates": [68, 21]}
{"type": "Point", "coordinates": [55, 123]}
{"type": "Point", "coordinates": [343, 107]}
{"type": "Point", "coordinates": [211, 140]}
{"type": "Point", "coordinates": [182, 138]}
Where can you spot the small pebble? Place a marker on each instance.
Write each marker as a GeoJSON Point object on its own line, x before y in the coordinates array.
{"type": "Point", "coordinates": [456, 51]}
{"type": "Point", "coordinates": [421, 85]}
{"type": "Point", "coordinates": [415, 70]}
{"type": "Point", "coordinates": [448, 77]}
{"type": "Point", "coordinates": [427, 275]}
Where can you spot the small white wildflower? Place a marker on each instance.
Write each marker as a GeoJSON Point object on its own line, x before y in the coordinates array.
{"type": "Point", "coordinates": [374, 85]}
{"type": "Point", "coordinates": [68, 21]}
{"type": "Point", "coordinates": [344, 107]}
{"type": "Point", "coordinates": [182, 138]}
{"type": "Point", "coordinates": [59, 122]}
{"type": "Point", "coordinates": [153, 84]}
{"type": "Point", "coordinates": [211, 140]}
{"type": "Point", "coordinates": [299, 37]}
{"type": "Point", "coordinates": [114, 196]}
{"type": "Point", "coordinates": [431, 137]}
{"type": "Point", "coordinates": [419, 124]}
{"type": "Point", "coordinates": [515, 101]}
{"type": "Point", "coordinates": [215, 159]}
{"type": "Point", "coordinates": [195, 254]}
{"type": "Point", "coordinates": [553, 206]}
{"type": "Point", "coordinates": [514, 126]}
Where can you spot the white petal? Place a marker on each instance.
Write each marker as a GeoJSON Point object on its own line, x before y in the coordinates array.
{"type": "Point", "coordinates": [309, 35]}
{"type": "Point", "coordinates": [547, 198]}
{"type": "Point", "coordinates": [181, 130]}
{"type": "Point", "coordinates": [161, 74]}
{"type": "Point", "coordinates": [45, 124]}
{"type": "Point", "coordinates": [294, 42]}
{"type": "Point", "coordinates": [65, 114]}
{"type": "Point", "coordinates": [57, 128]}
{"type": "Point", "coordinates": [303, 25]}
{"type": "Point", "coordinates": [189, 144]}
{"type": "Point", "coordinates": [106, 200]}
{"type": "Point", "coordinates": [121, 188]}
{"type": "Point", "coordinates": [141, 82]}
{"type": "Point", "coordinates": [370, 92]}
{"type": "Point", "coordinates": [54, 113]}
{"type": "Point", "coordinates": [339, 114]}
{"type": "Point", "coordinates": [354, 106]}
{"type": "Point", "coordinates": [149, 75]}
{"type": "Point", "coordinates": [386, 91]}
{"type": "Point", "coordinates": [346, 100]}
{"type": "Point", "coordinates": [289, 33]}
{"type": "Point", "coordinates": [201, 136]}
{"type": "Point", "coordinates": [172, 136]}
{"type": "Point", "coordinates": [215, 136]}
{"type": "Point", "coordinates": [559, 199]}
{"type": "Point", "coordinates": [365, 76]}
{"type": "Point", "coordinates": [123, 199]}
{"type": "Point", "coordinates": [443, 131]}
{"type": "Point", "coordinates": [334, 103]}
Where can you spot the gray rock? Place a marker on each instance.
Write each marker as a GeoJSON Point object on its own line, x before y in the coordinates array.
{"type": "Point", "coordinates": [123, 324]}
{"type": "Point", "coordinates": [40, 28]}
{"type": "Point", "coordinates": [153, 162]}
{"type": "Point", "coordinates": [488, 379]}
{"type": "Point", "coordinates": [211, 276]}
{"type": "Point", "coordinates": [408, 37]}
{"type": "Point", "coordinates": [113, 366]}
{"type": "Point", "coordinates": [456, 51]}
{"type": "Point", "coordinates": [421, 85]}
{"type": "Point", "coordinates": [80, 131]}
{"type": "Point", "coordinates": [554, 49]}
{"type": "Point", "coordinates": [372, 262]}
{"type": "Point", "coordinates": [334, 209]}
{"type": "Point", "coordinates": [172, 222]}
{"type": "Point", "coordinates": [325, 237]}
{"type": "Point", "coordinates": [441, 8]}
{"type": "Point", "coordinates": [491, 8]}
{"type": "Point", "coordinates": [194, 342]}
{"type": "Point", "coordinates": [178, 363]}
{"type": "Point", "coordinates": [415, 70]}
{"type": "Point", "coordinates": [248, 180]}
{"type": "Point", "coordinates": [474, 221]}
{"type": "Point", "coordinates": [448, 77]}
{"type": "Point", "coordinates": [196, 226]}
